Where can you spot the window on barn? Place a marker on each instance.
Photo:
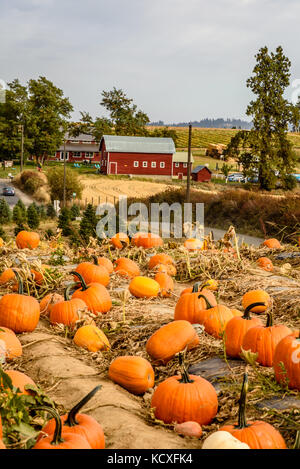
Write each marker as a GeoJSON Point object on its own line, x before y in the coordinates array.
{"type": "Point", "coordinates": [176, 165]}
{"type": "Point", "coordinates": [153, 164]}
{"type": "Point", "coordinates": [89, 154]}
{"type": "Point", "coordinates": [77, 154]}
{"type": "Point", "coordinates": [145, 164]}
{"type": "Point", "coordinates": [185, 165]}
{"type": "Point", "coordinates": [136, 164]}
{"type": "Point", "coordinates": [162, 164]}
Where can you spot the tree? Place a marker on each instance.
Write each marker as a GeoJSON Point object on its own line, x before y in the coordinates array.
{"type": "Point", "coordinates": [64, 221]}
{"type": "Point", "coordinates": [33, 219]}
{"type": "Point", "coordinates": [48, 112]}
{"type": "Point", "coordinates": [226, 170]}
{"type": "Point", "coordinates": [88, 223]}
{"type": "Point", "coordinates": [125, 117]}
{"type": "Point", "coordinates": [56, 183]}
{"type": "Point", "coordinates": [51, 213]}
{"type": "Point", "coordinates": [13, 113]}
{"type": "Point", "coordinates": [75, 211]}
{"type": "Point", "coordinates": [266, 148]}
{"type": "Point", "coordinates": [19, 215]}
{"type": "Point", "coordinates": [165, 132]}
{"type": "Point", "coordinates": [5, 212]}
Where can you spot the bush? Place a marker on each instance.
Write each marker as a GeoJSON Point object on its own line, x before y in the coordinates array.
{"type": "Point", "coordinates": [18, 228]}
{"type": "Point", "coordinates": [33, 219]}
{"type": "Point", "coordinates": [88, 223]}
{"type": "Point", "coordinates": [289, 182]}
{"type": "Point", "coordinates": [3, 234]}
{"type": "Point", "coordinates": [56, 183]}
{"type": "Point", "coordinates": [51, 213]}
{"type": "Point", "coordinates": [19, 213]}
{"type": "Point", "coordinates": [75, 211]}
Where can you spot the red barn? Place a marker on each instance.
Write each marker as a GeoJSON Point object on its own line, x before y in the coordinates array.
{"type": "Point", "coordinates": [201, 174]}
{"type": "Point", "coordinates": [139, 156]}
{"type": "Point", "coordinates": [180, 164]}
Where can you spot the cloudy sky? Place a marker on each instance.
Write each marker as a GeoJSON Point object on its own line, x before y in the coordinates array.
{"type": "Point", "coordinates": [179, 60]}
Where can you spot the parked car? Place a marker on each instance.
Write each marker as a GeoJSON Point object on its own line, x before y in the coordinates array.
{"type": "Point", "coordinates": [8, 191]}
{"type": "Point", "coordinates": [297, 176]}
{"type": "Point", "coordinates": [236, 177]}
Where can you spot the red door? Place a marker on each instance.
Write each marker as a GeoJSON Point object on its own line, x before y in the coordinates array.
{"type": "Point", "coordinates": [180, 175]}
{"type": "Point", "coordinates": [112, 168]}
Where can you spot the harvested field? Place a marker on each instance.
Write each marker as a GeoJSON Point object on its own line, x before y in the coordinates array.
{"type": "Point", "coordinates": [67, 372]}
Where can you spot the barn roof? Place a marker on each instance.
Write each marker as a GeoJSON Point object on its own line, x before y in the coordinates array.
{"type": "Point", "coordinates": [122, 144]}
{"type": "Point", "coordinates": [199, 168]}
{"type": "Point", "coordinates": [182, 157]}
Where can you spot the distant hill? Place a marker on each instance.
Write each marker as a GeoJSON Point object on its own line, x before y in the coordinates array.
{"type": "Point", "coordinates": [210, 124]}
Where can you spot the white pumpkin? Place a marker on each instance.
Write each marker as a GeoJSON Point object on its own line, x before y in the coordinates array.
{"type": "Point", "coordinates": [223, 440]}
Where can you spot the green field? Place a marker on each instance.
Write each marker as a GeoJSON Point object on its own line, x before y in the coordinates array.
{"type": "Point", "coordinates": [202, 137]}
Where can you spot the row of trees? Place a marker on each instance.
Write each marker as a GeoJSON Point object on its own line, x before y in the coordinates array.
{"type": "Point", "coordinates": [44, 112]}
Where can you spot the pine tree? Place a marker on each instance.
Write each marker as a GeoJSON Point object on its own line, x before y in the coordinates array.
{"type": "Point", "coordinates": [51, 213]}
{"type": "Point", "coordinates": [33, 219]}
{"type": "Point", "coordinates": [17, 215]}
{"type": "Point", "coordinates": [75, 211]}
{"type": "Point", "coordinates": [42, 212]}
{"type": "Point", "coordinates": [5, 212]}
{"type": "Point", "coordinates": [22, 208]}
{"type": "Point", "coordinates": [88, 223]}
{"type": "Point", "coordinates": [64, 221]}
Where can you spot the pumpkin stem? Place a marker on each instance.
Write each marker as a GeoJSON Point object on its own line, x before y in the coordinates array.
{"type": "Point", "coordinates": [242, 422]}
{"type": "Point", "coordinates": [95, 259]}
{"type": "Point", "coordinates": [185, 378]}
{"type": "Point", "coordinates": [20, 282]}
{"type": "Point", "coordinates": [196, 287]}
{"type": "Point", "coordinates": [208, 305]}
{"type": "Point", "coordinates": [67, 291]}
{"type": "Point", "coordinates": [248, 309]}
{"type": "Point", "coordinates": [270, 319]}
{"type": "Point", "coordinates": [81, 279]}
{"type": "Point", "coordinates": [71, 420]}
{"type": "Point", "coordinates": [57, 439]}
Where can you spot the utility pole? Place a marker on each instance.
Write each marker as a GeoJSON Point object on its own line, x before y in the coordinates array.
{"type": "Point", "coordinates": [64, 202]}
{"type": "Point", "coordinates": [188, 181]}
{"type": "Point", "coordinates": [21, 127]}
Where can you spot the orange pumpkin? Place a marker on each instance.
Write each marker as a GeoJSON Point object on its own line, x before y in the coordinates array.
{"type": "Point", "coordinates": [1, 243]}
{"type": "Point", "coordinates": [91, 338]}
{"type": "Point", "coordinates": [132, 373]}
{"type": "Point", "coordinates": [166, 269]}
{"type": "Point", "coordinates": [236, 329]}
{"type": "Point", "coordinates": [185, 398]}
{"type": "Point", "coordinates": [67, 312]}
{"type": "Point", "coordinates": [190, 304]}
{"type": "Point", "coordinates": [214, 318]}
{"type": "Point", "coordinates": [148, 240]}
{"type": "Point", "coordinates": [19, 312]}
{"type": "Point", "coordinates": [256, 296]}
{"type": "Point", "coordinates": [7, 276]}
{"type": "Point", "coordinates": [272, 243]}
{"type": "Point", "coordinates": [265, 263]}
{"type": "Point", "coordinates": [264, 339]}
{"type": "Point", "coordinates": [19, 381]}
{"type": "Point", "coordinates": [93, 273]}
{"type": "Point", "coordinates": [47, 303]}
{"type": "Point", "coordinates": [171, 339]}
{"type": "Point", "coordinates": [191, 429]}
{"type": "Point", "coordinates": [79, 424]}
{"type": "Point", "coordinates": [257, 434]}
{"type": "Point", "coordinates": [27, 239]}
{"type": "Point", "coordinates": [287, 361]}
{"type": "Point", "coordinates": [126, 268]}
{"type": "Point", "coordinates": [166, 284]}
{"type": "Point", "coordinates": [39, 275]}
{"type": "Point", "coordinates": [61, 439]}
{"type": "Point", "coordinates": [144, 287]}
{"type": "Point", "coordinates": [13, 346]}
{"type": "Point", "coordinates": [164, 259]}
{"type": "Point", "coordinates": [105, 262]}
{"type": "Point", "coordinates": [120, 240]}
{"type": "Point", "coordinates": [95, 296]}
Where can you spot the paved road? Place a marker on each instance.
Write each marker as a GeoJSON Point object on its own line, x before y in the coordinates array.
{"type": "Point", "coordinates": [12, 200]}
{"type": "Point", "coordinates": [218, 234]}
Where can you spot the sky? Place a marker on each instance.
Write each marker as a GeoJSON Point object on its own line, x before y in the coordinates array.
{"type": "Point", "coordinates": [180, 60]}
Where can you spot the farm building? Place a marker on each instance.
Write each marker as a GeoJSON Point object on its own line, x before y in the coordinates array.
{"type": "Point", "coordinates": [201, 174]}
{"type": "Point", "coordinates": [180, 164]}
{"type": "Point", "coordinates": [138, 156]}
{"type": "Point", "coordinates": [79, 149]}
